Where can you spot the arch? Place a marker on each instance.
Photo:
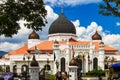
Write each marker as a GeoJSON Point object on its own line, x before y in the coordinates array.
{"type": "Point", "coordinates": [47, 67]}
{"type": "Point", "coordinates": [95, 63]}
{"type": "Point", "coordinates": [15, 69]}
{"type": "Point", "coordinates": [63, 64]}
{"type": "Point", "coordinates": [24, 68]}
{"type": "Point", "coordinates": [7, 68]}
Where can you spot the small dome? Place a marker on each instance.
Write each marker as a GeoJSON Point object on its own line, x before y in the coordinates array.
{"type": "Point", "coordinates": [34, 63]}
{"type": "Point", "coordinates": [33, 35]}
{"type": "Point", "coordinates": [62, 25]}
{"type": "Point", "coordinates": [101, 43]}
{"type": "Point", "coordinates": [96, 36]}
{"type": "Point", "coordinates": [56, 42]}
{"type": "Point", "coordinates": [73, 62]}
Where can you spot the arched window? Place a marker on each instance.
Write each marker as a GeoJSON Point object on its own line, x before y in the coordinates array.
{"type": "Point", "coordinates": [47, 67]}
{"type": "Point", "coordinates": [15, 68]}
{"type": "Point", "coordinates": [63, 64]}
{"type": "Point", "coordinates": [7, 68]}
{"type": "Point", "coordinates": [24, 68]}
{"type": "Point", "coordinates": [95, 63]}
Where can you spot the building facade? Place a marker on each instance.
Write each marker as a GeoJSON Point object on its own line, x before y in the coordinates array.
{"type": "Point", "coordinates": [62, 45]}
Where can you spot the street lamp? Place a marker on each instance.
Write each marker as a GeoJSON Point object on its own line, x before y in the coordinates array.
{"type": "Point", "coordinates": [57, 65]}
{"type": "Point", "coordinates": [27, 57]}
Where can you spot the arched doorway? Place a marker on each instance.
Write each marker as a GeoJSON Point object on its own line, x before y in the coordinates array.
{"type": "Point", "coordinates": [63, 64]}
{"type": "Point", "coordinates": [24, 68]}
{"type": "Point", "coordinates": [47, 67]}
{"type": "Point", "coordinates": [95, 63]}
{"type": "Point", "coordinates": [15, 69]}
{"type": "Point", "coordinates": [7, 68]}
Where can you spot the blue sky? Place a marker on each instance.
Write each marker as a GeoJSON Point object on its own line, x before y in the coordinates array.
{"type": "Point", "coordinates": [82, 13]}
{"type": "Point", "coordinates": [90, 12]}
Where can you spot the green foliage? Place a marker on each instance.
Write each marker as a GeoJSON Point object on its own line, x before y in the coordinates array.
{"type": "Point", "coordinates": [110, 8]}
{"type": "Point", "coordinates": [94, 73]}
{"type": "Point", "coordinates": [1, 70]}
{"type": "Point", "coordinates": [50, 77]}
{"type": "Point", "coordinates": [11, 11]}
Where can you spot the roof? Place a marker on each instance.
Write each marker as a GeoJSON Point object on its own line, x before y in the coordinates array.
{"type": "Point", "coordinates": [48, 46]}
{"type": "Point", "coordinates": [33, 35]}
{"type": "Point", "coordinates": [45, 45]}
{"type": "Point", "coordinates": [96, 36]}
{"type": "Point", "coordinates": [21, 50]}
{"type": "Point", "coordinates": [62, 25]}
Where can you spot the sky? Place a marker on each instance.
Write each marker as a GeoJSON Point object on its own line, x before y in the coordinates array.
{"type": "Point", "coordinates": [82, 13]}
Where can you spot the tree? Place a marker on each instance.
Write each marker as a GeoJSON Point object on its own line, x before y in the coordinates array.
{"type": "Point", "coordinates": [11, 11]}
{"type": "Point", "coordinates": [110, 8]}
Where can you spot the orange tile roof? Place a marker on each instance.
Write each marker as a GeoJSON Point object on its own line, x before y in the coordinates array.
{"type": "Point", "coordinates": [108, 48]}
{"type": "Point", "coordinates": [45, 45]}
{"type": "Point", "coordinates": [22, 50]}
{"type": "Point", "coordinates": [80, 42]}
{"type": "Point", "coordinates": [48, 46]}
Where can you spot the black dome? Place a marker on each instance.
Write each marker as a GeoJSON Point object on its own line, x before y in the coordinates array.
{"type": "Point", "coordinates": [62, 25]}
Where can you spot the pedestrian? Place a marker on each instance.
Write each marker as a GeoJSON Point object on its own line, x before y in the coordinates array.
{"type": "Point", "coordinates": [99, 77]}
{"type": "Point", "coordinates": [59, 75]}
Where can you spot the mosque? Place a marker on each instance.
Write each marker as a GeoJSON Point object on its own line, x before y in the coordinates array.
{"type": "Point", "coordinates": [61, 52]}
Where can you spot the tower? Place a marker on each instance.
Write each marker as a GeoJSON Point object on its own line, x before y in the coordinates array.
{"type": "Point", "coordinates": [101, 55]}
{"type": "Point", "coordinates": [33, 39]}
{"type": "Point", "coordinates": [56, 53]}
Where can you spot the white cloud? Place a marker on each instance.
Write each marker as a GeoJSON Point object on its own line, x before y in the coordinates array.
{"type": "Point", "coordinates": [112, 39]}
{"type": "Point", "coordinates": [118, 23]}
{"type": "Point", "coordinates": [70, 2]}
{"type": "Point", "coordinates": [86, 33]}
{"type": "Point", "coordinates": [83, 33]}
{"type": "Point", "coordinates": [8, 44]}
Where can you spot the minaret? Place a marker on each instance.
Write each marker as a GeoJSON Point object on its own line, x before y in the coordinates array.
{"type": "Point", "coordinates": [96, 37]}
{"type": "Point", "coordinates": [34, 69]}
{"type": "Point", "coordinates": [56, 53]}
{"type": "Point", "coordinates": [33, 39]}
{"type": "Point", "coordinates": [101, 55]}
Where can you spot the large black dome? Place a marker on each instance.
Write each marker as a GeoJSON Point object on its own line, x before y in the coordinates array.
{"type": "Point", "coordinates": [62, 25]}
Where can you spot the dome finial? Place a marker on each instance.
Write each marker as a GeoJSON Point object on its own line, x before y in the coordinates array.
{"type": "Point", "coordinates": [62, 9]}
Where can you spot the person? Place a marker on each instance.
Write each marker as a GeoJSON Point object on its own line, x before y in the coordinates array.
{"type": "Point", "coordinates": [99, 77]}
{"type": "Point", "coordinates": [64, 75]}
{"type": "Point", "coordinates": [59, 76]}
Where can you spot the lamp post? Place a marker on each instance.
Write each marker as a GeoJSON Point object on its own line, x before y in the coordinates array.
{"type": "Point", "coordinates": [27, 57]}
{"type": "Point", "coordinates": [57, 65]}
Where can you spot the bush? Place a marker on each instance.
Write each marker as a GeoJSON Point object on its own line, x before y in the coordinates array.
{"type": "Point", "coordinates": [94, 73]}
{"type": "Point", "coordinates": [50, 77]}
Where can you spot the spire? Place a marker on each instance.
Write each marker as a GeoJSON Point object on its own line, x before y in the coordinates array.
{"type": "Point", "coordinates": [62, 9]}
{"type": "Point", "coordinates": [34, 63]}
